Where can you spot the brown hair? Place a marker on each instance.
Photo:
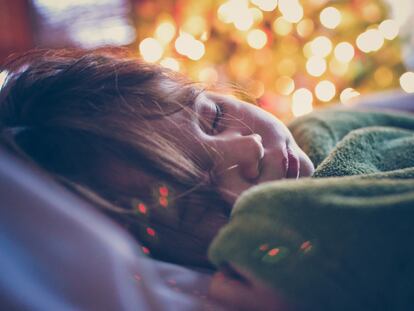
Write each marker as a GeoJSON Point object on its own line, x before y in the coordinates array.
{"type": "Point", "coordinates": [73, 111]}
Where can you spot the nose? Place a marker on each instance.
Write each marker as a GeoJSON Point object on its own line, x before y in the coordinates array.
{"type": "Point", "coordinates": [244, 153]}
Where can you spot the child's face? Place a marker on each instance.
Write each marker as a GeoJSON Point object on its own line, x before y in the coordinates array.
{"type": "Point", "coordinates": [250, 145]}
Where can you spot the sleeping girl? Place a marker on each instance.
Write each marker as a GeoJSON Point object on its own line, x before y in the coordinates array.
{"type": "Point", "coordinates": [318, 213]}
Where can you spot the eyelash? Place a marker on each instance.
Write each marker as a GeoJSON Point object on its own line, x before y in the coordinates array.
{"type": "Point", "coordinates": [217, 118]}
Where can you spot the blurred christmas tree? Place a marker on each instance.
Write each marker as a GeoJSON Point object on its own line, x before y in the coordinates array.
{"type": "Point", "coordinates": [291, 55]}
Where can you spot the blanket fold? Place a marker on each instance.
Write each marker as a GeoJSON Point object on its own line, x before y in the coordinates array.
{"type": "Point", "coordinates": [341, 240]}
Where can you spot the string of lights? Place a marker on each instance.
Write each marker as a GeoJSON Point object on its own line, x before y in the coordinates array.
{"type": "Point", "coordinates": [291, 55]}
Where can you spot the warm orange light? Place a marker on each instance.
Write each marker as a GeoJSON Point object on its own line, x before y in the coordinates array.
{"type": "Point", "coordinates": [338, 68]}
{"type": "Point", "coordinates": [305, 28]}
{"type": "Point", "coordinates": [383, 76]}
{"type": "Point", "coordinates": [208, 75]}
{"type": "Point", "coordinates": [195, 25]}
{"type": "Point", "coordinates": [165, 32]}
{"type": "Point", "coordinates": [285, 85]}
{"type": "Point", "coordinates": [286, 67]}
{"type": "Point", "coordinates": [256, 89]}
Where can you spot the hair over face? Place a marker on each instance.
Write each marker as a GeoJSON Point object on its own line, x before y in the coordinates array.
{"type": "Point", "coordinates": [85, 117]}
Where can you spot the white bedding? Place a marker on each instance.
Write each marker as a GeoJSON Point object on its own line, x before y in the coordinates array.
{"type": "Point", "coordinates": [59, 253]}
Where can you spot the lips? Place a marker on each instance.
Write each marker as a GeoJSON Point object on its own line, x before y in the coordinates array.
{"type": "Point", "coordinates": [293, 165]}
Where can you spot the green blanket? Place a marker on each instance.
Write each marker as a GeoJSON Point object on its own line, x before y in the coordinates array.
{"type": "Point", "coordinates": [343, 239]}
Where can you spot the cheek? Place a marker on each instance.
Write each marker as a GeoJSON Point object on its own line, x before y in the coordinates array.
{"type": "Point", "coordinates": [272, 129]}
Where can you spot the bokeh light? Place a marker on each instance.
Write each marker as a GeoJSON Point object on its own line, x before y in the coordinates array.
{"type": "Point", "coordinates": [330, 17]}
{"type": "Point", "coordinates": [281, 26]}
{"type": "Point", "coordinates": [389, 29]}
{"type": "Point", "coordinates": [194, 25]}
{"type": "Point", "coordinates": [285, 85]}
{"type": "Point", "coordinates": [344, 52]}
{"type": "Point", "coordinates": [150, 49]}
{"type": "Point", "coordinates": [208, 75]}
{"type": "Point", "coordinates": [231, 10]}
{"type": "Point", "coordinates": [307, 50]}
{"type": "Point", "coordinates": [257, 14]}
{"type": "Point", "coordinates": [316, 66]}
{"type": "Point", "coordinates": [291, 55]}
{"type": "Point", "coordinates": [302, 100]}
{"type": "Point", "coordinates": [338, 68]}
{"type": "Point", "coordinates": [370, 41]}
{"type": "Point", "coordinates": [256, 88]}
{"type": "Point", "coordinates": [150, 231]}
{"type": "Point", "coordinates": [321, 46]}
{"type": "Point", "coordinates": [256, 38]}
{"type": "Point", "coordinates": [407, 82]}
{"type": "Point", "coordinates": [325, 91]}
{"type": "Point", "coordinates": [170, 63]}
{"type": "Point", "coordinates": [305, 27]}
{"type": "Point", "coordinates": [370, 11]}
{"type": "Point", "coordinates": [187, 45]}
{"type": "Point", "coordinates": [266, 5]}
{"type": "Point", "coordinates": [347, 95]}
{"type": "Point", "coordinates": [165, 32]}
{"type": "Point", "coordinates": [224, 13]}
{"type": "Point", "coordinates": [244, 20]}
{"type": "Point", "coordinates": [196, 51]}
{"type": "Point", "coordinates": [286, 67]}
{"type": "Point", "coordinates": [291, 10]}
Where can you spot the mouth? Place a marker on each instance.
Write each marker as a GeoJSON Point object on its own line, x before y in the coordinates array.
{"type": "Point", "coordinates": [292, 164]}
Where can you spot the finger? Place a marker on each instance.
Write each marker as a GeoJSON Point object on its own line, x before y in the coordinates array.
{"type": "Point", "coordinates": [249, 277]}
{"type": "Point", "coordinates": [269, 294]}
{"type": "Point", "coordinates": [231, 293]}
{"type": "Point", "coordinates": [237, 295]}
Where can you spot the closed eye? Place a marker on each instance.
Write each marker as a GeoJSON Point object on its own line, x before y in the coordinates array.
{"type": "Point", "coordinates": [217, 118]}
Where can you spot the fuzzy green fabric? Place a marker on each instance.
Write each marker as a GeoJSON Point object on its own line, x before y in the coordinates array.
{"type": "Point", "coordinates": [343, 239]}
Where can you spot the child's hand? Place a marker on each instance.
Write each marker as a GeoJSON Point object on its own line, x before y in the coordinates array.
{"type": "Point", "coordinates": [238, 289]}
